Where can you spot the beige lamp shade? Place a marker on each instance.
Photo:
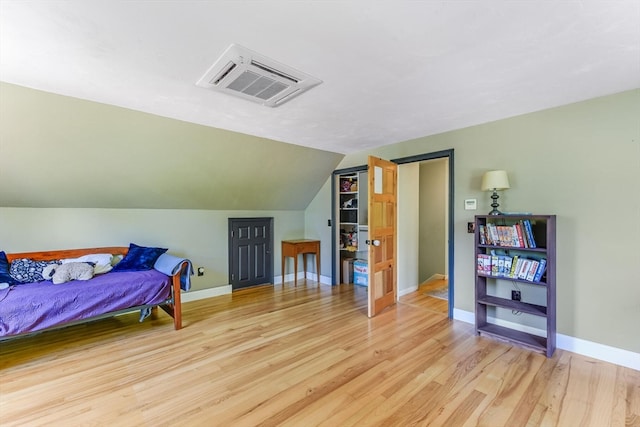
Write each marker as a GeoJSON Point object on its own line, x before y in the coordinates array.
{"type": "Point", "coordinates": [495, 180]}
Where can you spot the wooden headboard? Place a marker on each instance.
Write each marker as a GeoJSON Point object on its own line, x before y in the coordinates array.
{"type": "Point", "coordinates": [68, 253]}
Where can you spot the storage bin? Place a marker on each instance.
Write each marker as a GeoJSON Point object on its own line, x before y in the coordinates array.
{"type": "Point", "coordinates": [361, 272]}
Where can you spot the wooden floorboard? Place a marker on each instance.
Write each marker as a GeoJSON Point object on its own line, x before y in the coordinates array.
{"type": "Point", "coordinates": [303, 356]}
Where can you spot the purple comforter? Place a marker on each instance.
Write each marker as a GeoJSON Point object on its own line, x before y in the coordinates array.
{"type": "Point", "coordinates": [35, 306]}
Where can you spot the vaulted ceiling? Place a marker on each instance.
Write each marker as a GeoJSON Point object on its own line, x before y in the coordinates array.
{"type": "Point", "coordinates": [391, 70]}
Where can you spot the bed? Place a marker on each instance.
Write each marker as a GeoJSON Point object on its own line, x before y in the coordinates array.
{"type": "Point", "coordinates": [35, 307]}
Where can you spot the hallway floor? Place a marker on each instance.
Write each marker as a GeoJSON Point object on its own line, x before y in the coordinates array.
{"type": "Point", "coordinates": [420, 298]}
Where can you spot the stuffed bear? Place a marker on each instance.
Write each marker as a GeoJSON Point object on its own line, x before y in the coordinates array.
{"type": "Point", "coordinates": [61, 273]}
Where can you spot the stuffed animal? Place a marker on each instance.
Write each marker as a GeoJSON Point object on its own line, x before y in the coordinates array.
{"type": "Point", "coordinates": [61, 273]}
{"type": "Point", "coordinates": [351, 203]}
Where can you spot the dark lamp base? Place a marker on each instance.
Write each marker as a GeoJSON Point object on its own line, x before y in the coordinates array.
{"type": "Point", "coordinates": [495, 204]}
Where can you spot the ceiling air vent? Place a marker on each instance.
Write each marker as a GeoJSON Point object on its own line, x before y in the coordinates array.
{"type": "Point", "coordinates": [249, 75]}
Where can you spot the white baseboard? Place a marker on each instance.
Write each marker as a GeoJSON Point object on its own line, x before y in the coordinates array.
{"type": "Point", "coordinates": [205, 293]}
{"type": "Point", "coordinates": [324, 280]}
{"type": "Point", "coordinates": [277, 280]}
{"type": "Point", "coordinates": [464, 316]}
{"type": "Point", "coordinates": [226, 289]}
{"type": "Point", "coordinates": [402, 292]}
{"type": "Point", "coordinates": [435, 277]}
{"type": "Point", "coordinates": [592, 349]}
{"type": "Point", "coordinates": [604, 352]}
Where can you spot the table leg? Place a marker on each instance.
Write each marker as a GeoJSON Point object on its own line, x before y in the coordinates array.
{"type": "Point", "coordinates": [318, 265]}
{"type": "Point", "coordinates": [304, 259]}
{"type": "Point", "coordinates": [295, 270]}
{"type": "Point", "coordinates": [283, 258]}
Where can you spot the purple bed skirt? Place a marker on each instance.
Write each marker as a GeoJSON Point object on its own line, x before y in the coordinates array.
{"type": "Point", "coordinates": [32, 307]}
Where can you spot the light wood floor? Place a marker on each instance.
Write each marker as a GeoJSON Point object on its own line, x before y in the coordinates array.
{"type": "Point", "coordinates": [302, 356]}
{"type": "Point", "coordinates": [421, 297]}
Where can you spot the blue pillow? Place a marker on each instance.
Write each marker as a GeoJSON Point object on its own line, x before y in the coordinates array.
{"type": "Point", "coordinates": [139, 258]}
{"type": "Point", "coordinates": [5, 276]}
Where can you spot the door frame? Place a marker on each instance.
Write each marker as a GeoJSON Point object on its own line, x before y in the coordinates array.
{"type": "Point", "coordinates": [449, 154]}
{"type": "Point", "coordinates": [450, 228]}
{"type": "Point", "coordinates": [230, 255]}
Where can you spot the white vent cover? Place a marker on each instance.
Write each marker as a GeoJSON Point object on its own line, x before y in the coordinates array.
{"type": "Point", "coordinates": [249, 75]}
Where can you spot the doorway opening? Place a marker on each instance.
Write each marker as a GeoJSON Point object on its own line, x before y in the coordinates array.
{"type": "Point", "coordinates": [426, 188]}
{"type": "Point", "coordinates": [410, 251]}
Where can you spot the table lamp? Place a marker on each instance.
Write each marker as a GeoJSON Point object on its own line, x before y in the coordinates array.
{"type": "Point", "coordinates": [494, 181]}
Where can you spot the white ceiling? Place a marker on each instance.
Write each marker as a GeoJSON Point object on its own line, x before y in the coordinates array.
{"type": "Point", "coordinates": [391, 70]}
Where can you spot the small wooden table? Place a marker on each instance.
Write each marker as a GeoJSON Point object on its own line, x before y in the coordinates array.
{"type": "Point", "coordinates": [292, 248]}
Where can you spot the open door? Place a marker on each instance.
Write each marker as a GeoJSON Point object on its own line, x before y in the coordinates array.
{"type": "Point", "coordinates": [383, 190]}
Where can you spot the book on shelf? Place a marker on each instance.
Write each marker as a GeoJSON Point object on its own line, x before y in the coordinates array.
{"type": "Point", "coordinates": [529, 232]}
{"type": "Point", "coordinates": [487, 264]}
{"type": "Point", "coordinates": [514, 237]}
{"type": "Point", "coordinates": [522, 238]}
{"type": "Point", "coordinates": [532, 270]}
{"type": "Point", "coordinates": [507, 236]}
{"type": "Point", "coordinates": [519, 235]}
{"type": "Point", "coordinates": [500, 266]}
{"type": "Point", "coordinates": [507, 266]}
{"type": "Point", "coordinates": [493, 234]}
{"type": "Point", "coordinates": [494, 265]}
{"type": "Point", "coordinates": [482, 230]}
{"type": "Point", "coordinates": [484, 264]}
{"type": "Point", "coordinates": [542, 268]}
{"type": "Point", "coordinates": [504, 235]}
{"type": "Point", "coordinates": [524, 269]}
{"type": "Point", "coordinates": [516, 267]}
{"type": "Point", "coordinates": [500, 233]}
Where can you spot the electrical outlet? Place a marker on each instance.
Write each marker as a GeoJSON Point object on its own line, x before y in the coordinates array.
{"type": "Point", "coordinates": [515, 295]}
{"type": "Point", "coordinates": [200, 271]}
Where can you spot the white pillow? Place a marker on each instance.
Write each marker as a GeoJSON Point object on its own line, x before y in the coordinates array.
{"type": "Point", "coordinates": [102, 262]}
{"type": "Point", "coordinates": [101, 268]}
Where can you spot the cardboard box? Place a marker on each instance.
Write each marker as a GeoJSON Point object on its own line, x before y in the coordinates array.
{"type": "Point", "coordinates": [347, 271]}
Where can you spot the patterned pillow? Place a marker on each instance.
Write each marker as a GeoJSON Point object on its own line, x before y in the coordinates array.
{"type": "Point", "coordinates": [26, 270]}
{"type": "Point", "coordinates": [139, 258]}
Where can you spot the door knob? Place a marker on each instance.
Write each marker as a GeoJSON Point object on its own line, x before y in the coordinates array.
{"type": "Point", "coordinates": [373, 242]}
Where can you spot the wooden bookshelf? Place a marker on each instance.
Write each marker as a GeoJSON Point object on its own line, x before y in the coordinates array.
{"type": "Point", "coordinates": [493, 286]}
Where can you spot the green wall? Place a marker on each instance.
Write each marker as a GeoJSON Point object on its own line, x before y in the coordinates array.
{"type": "Point", "coordinates": [76, 173]}
{"type": "Point", "coordinates": [58, 151]}
{"type": "Point", "coordinates": [580, 162]}
{"type": "Point", "coordinates": [432, 227]}
{"type": "Point", "coordinates": [200, 235]}
{"type": "Point", "coordinates": [65, 164]}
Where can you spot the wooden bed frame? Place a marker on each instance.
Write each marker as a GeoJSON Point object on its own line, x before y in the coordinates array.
{"type": "Point", "coordinates": [173, 307]}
